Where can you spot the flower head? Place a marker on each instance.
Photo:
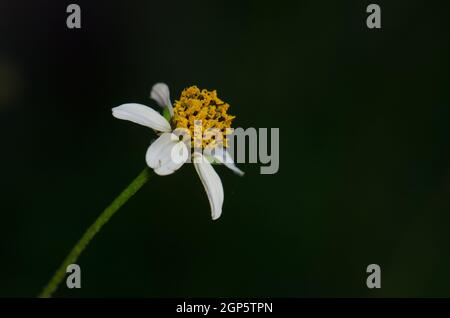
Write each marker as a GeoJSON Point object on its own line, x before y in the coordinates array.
{"type": "Point", "coordinates": [202, 110]}
{"type": "Point", "coordinates": [198, 115]}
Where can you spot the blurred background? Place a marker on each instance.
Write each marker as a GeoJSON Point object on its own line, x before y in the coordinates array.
{"type": "Point", "coordinates": [364, 148]}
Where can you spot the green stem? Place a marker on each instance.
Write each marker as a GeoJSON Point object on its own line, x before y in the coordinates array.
{"type": "Point", "coordinates": [118, 202]}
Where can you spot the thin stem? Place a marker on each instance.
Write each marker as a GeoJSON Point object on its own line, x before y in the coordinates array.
{"type": "Point", "coordinates": [115, 205]}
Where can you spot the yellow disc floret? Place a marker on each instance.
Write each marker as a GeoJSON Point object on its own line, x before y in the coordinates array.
{"type": "Point", "coordinates": [204, 115]}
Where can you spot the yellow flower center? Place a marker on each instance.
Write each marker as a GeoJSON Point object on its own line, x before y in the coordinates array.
{"type": "Point", "coordinates": [204, 115]}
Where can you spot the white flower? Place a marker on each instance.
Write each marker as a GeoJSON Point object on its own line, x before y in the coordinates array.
{"type": "Point", "coordinates": [168, 153]}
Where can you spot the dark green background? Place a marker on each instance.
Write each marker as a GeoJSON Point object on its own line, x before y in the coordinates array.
{"type": "Point", "coordinates": [364, 151]}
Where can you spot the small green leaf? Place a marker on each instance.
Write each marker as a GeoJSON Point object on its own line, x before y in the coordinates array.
{"type": "Point", "coordinates": [211, 159]}
{"type": "Point", "coordinates": [166, 113]}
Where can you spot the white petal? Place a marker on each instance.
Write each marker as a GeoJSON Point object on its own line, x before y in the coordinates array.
{"type": "Point", "coordinates": [142, 115]}
{"type": "Point", "coordinates": [212, 183]}
{"type": "Point", "coordinates": [161, 94]}
{"type": "Point", "coordinates": [166, 155]}
{"type": "Point", "coordinates": [224, 157]}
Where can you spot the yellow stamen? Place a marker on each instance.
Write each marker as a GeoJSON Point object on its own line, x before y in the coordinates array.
{"type": "Point", "coordinates": [203, 114]}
